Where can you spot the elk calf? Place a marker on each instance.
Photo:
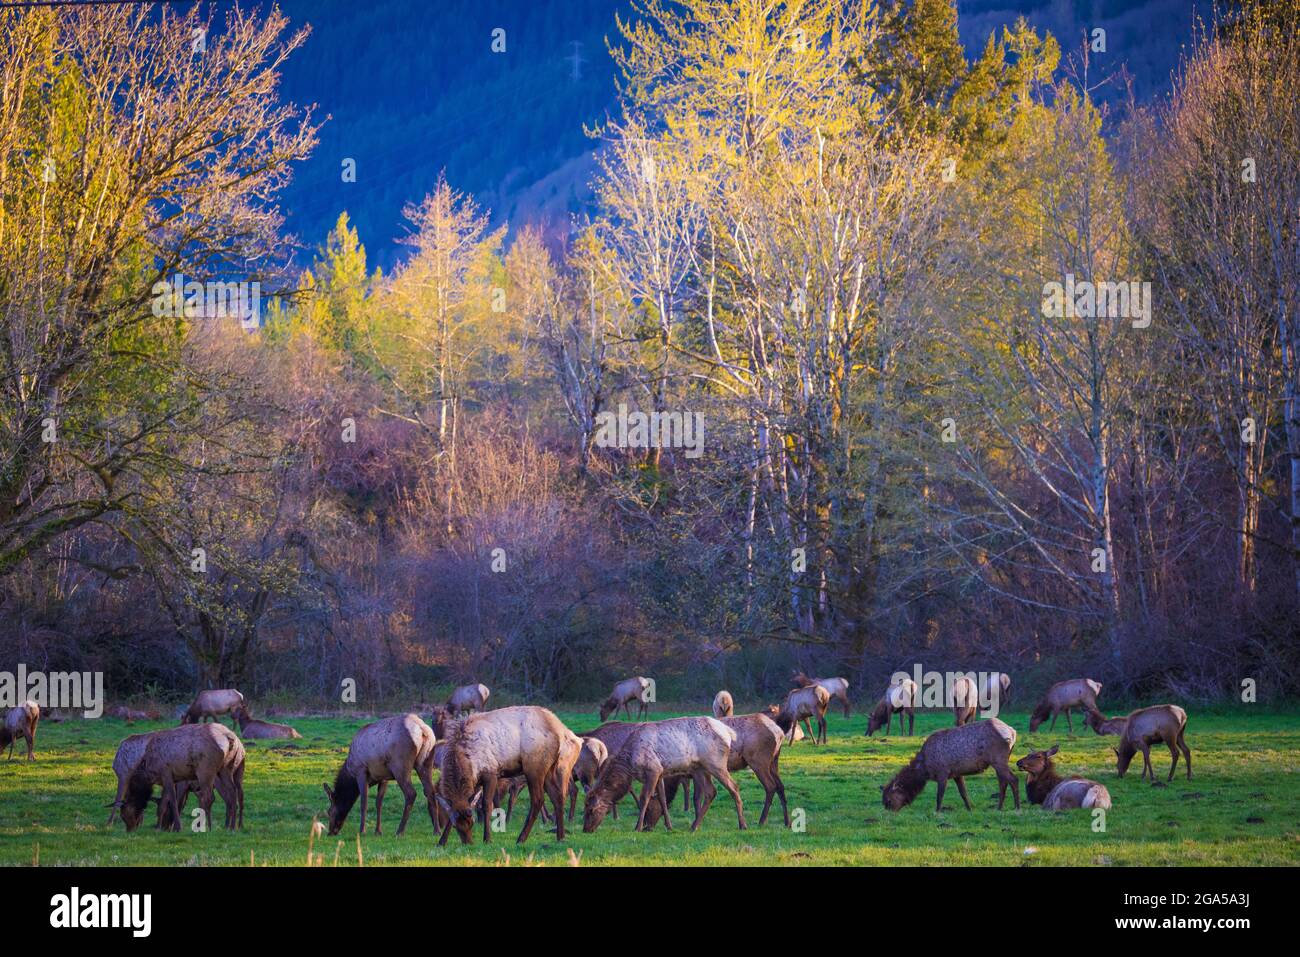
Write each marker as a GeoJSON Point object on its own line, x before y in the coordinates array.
{"type": "Point", "coordinates": [21, 722]}
{"type": "Point", "coordinates": [1063, 697]}
{"type": "Point", "coordinates": [1148, 726]}
{"type": "Point", "coordinates": [837, 688]}
{"type": "Point", "coordinates": [898, 699]}
{"type": "Point", "coordinates": [252, 728]}
{"type": "Point", "coordinates": [954, 753]}
{"type": "Point", "coordinates": [1055, 793]}
{"type": "Point", "coordinates": [632, 689]}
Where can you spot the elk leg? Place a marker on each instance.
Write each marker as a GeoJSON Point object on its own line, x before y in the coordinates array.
{"type": "Point", "coordinates": [559, 794]}
{"type": "Point", "coordinates": [380, 788]}
{"type": "Point", "coordinates": [767, 778]}
{"type": "Point", "coordinates": [807, 730]}
{"type": "Point", "coordinates": [1146, 762]}
{"type": "Point", "coordinates": [408, 794]}
{"type": "Point", "coordinates": [426, 785]}
{"type": "Point", "coordinates": [364, 784]}
{"type": "Point", "coordinates": [489, 785]}
{"type": "Point", "coordinates": [961, 789]}
{"type": "Point", "coordinates": [1007, 776]}
{"type": "Point", "coordinates": [648, 786]}
{"type": "Point", "coordinates": [911, 722]}
{"type": "Point", "coordinates": [1068, 723]}
{"type": "Point", "coordinates": [730, 785]}
{"type": "Point", "coordinates": [938, 801]}
{"type": "Point", "coordinates": [1173, 751]}
{"type": "Point", "coordinates": [664, 802]}
{"type": "Point", "coordinates": [686, 794]}
{"type": "Point", "coordinates": [1187, 754]}
{"type": "Point", "coordinates": [535, 800]}
{"type": "Point", "coordinates": [1053, 727]}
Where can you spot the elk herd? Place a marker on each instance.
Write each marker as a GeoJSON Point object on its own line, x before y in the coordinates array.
{"type": "Point", "coordinates": [472, 762]}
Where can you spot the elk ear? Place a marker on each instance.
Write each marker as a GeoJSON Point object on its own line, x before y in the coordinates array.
{"type": "Point", "coordinates": [1055, 748]}
{"type": "Point", "coordinates": [328, 793]}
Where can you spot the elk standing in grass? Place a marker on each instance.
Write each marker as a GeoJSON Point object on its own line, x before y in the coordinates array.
{"type": "Point", "coordinates": [1148, 726]}
{"type": "Point", "coordinates": [20, 722]}
{"type": "Point", "coordinates": [486, 747]}
{"type": "Point", "coordinates": [723, 706]}
{"type": "Point", "coordinates": [208, 755]}
{"type": "Point", "coordinates": [954, 753]}
{"type": "Point", "coordinates": [899, 698]}
{"type": "Point", "coordinates": [699, 747]}
{"type": "Point", "coordinates": [837, 688]}
{"type": "Point", "coordinates": [632, 689]}
{"type": "Point", "coordinates": [468, 698]}
{"type": "Point", "coordinates": [1055, 793]}
{"type": "Point", "coordinates": [252, 728]}
{"type": "Point", "coordinates": [385, 750]}
{"type": "Point", "coordinates": [209, 704]}
{"type": "Point", "coordinates": [1064, 696]}
{"type": "Point", "coordinates": [613, 735]}
{"type": "Point", "coordinates": [802, 704]}
{"type": "Point", "coordinates": [965, 700]}
{"type": "Point", "coordinates": [996, 689]}
{"type": "Point", "coordinates": [591, 759]}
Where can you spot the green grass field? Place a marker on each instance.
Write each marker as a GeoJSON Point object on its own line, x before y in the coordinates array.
{"type": "Point", "coordinates": [1242, 807]}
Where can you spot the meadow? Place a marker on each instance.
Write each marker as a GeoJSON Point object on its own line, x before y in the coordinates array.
{"type": "Point", "coordinates": [1242, 807]}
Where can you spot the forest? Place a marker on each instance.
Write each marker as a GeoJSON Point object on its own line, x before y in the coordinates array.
{"type": "Point", "coordinates": [991, 368]}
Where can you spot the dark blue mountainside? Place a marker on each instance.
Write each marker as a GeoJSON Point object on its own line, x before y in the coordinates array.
{"type": "Point", "coordinates": [413, 87]}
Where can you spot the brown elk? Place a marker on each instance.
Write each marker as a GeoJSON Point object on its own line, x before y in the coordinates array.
{"type": "Point", "coordinates": [1055, 793]}
{"type": "Point", "coordinates": [632, 689]}
{"type": "Point", "coordinates": [837, 688]}
{"type": "Point", "coordinates": [723, 706]}
{"type": "Point", "coordinates": [208, 755]}
{"type": "Point", "coordinates": [209, 704]}
{"type": "Point", "coordinates": [954, 753]}
{"type": "Point", "coordinates": [468, 698]}
{"type": "Point", "coordinates": [899, 698]}
{"type": "Point", "coordinates": [965, 700]}
{"type": "Point", "coordinates": [803, 704]}
{"type": "Point", "coordinates": [698, 746]}
{"type": "Point", "coordinates": [20, 722]}
{"type": "Point", "coordinates": [1063, 697]}
{"type": "Point", "coordinates": [494, 744]}
{"type": "Point", "coordinates": [1148, 726]}
{"type": "Point", "coordinates": [385, 750]}
{"type": "Point", "coordinates": [252, 728]}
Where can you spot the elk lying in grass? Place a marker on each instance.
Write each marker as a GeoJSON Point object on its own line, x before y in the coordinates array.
{"type": "Point", "coordinates": [837, 688]}
{"type": "Point", "coordinates": [965, 700]}
{"type": "Point", "coordinates": [209, 704]}
{"type": "Point", "coordinates": [699, 747]}
{"type": "Point", "coordinates": [723, 706]}
{"type": "Point", "coordinates": [468, 698]}
{"type": "Point", "coordinates": [130, 715]}
{"type": "Point", "coordinates": [1064, 696]}
{"type": "Point", "coordinates": [591, 759]}
{"type": "Point", "coordinates": [632, 689]}
{"type": "Point", "coordinates": [1055, 793]}
{"type": "Point", "coordinates": [488, 746]}
{"type": "Point", "coordinates": [1104, 725]}
{"type": "Point", "coordinates": [954, 753]}
{"type": "Point", "coordinates": [757, 747]}
{"type": "Point", "coordinates": [803, 704]}
{"type": "Point", "coordinates": [1148, 726]}
{"type": "Point", "coordinates": [385, 750]}
{"type": "Point", "coordinates": [899, 698]}
{"type": "Point", "coordinates": [252, 728]}
{"type": "Point", "coordinates": [206, 756]}
{"type": "Point", "coordinates": [20, 722]}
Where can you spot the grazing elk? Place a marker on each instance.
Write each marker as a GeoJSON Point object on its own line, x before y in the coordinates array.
{"type": "Point", "coordinates": [466, 699]}
{"type": "Point", "coordinates": [494, 744]}
{"type": "Point", "coordinates": [1063, 697]}
{"type": "Point", "coordinates": [698, 746]}
{"type": "Point", "coordinates": [965, 700]}
{"type": "Point", "coordinates": [997, 689]}
{"type": "Point", "coordinates": [252, 728]}
{"type": "Point", "coordinates": [1148, 726]}
{"type": "Point", "coordinates": [1055, 793]}
{"type": "Point", "coordinates": [591, 759]}
{"type": "Point", "coordinates": [757, 747]}
{"type": "Point", "coordinates": [954, 753]}
{"type": "Point", "coordinates": [802, 704]}
{"type": "Point", "coordinates": [837, 688]}
{"type": "Point", "coordinates": [613, 734]}
{"type": "Point", "coordinates": [900, 699]}
{"type": "Point", "coordinates": [20, 722]}
{"type": "Point", "coordinates": [632, 689]}
{"type": "Point", "coordinates": [204, 756]}
{"type": "Point", "coordinates": [382, 751]}
{"type": "Point", "coordinates": [723, 706]}
{"type": "Point", "coordinates": [209, 704]}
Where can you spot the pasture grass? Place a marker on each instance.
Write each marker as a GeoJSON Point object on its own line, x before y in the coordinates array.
{"type": "Point", "coordinates": [1242, 807]}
